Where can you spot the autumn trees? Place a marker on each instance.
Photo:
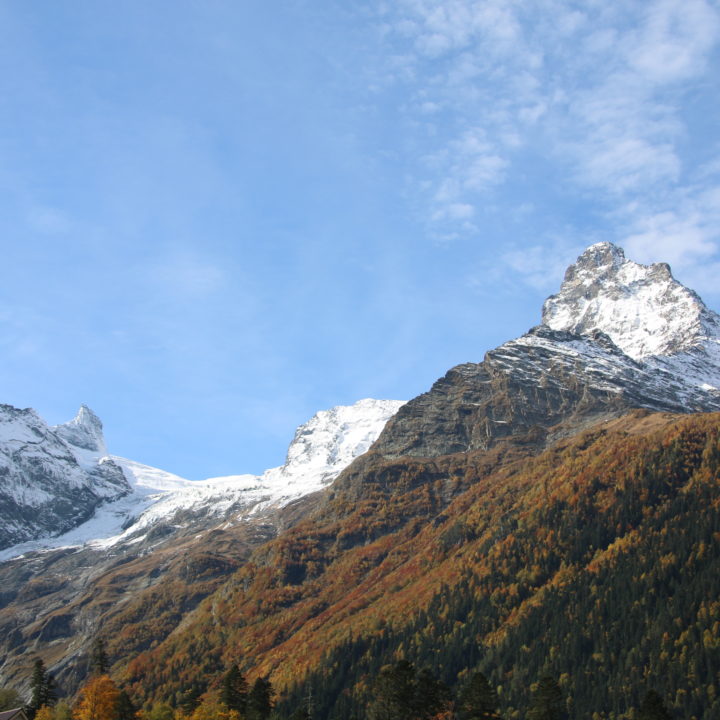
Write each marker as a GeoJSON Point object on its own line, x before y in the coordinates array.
{"type": "Point", "coordinates": [98, 699]}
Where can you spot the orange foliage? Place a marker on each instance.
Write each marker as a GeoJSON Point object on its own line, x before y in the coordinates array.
{"type": "Point", "coordinates": [98, 699]}
{"type": "Point", "coordinates": [376, 558]}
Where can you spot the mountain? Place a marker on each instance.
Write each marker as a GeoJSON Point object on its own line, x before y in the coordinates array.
{"type": "Point", "coordinates": [143, 560]}
{"type": "Point", "coordinates": [150, 497]}
{"type": "Point", "coordinates": [55, 478]}
{"type": "Point", "coordinates": [552, 509]}
{"type": "Point", "coordinates": [618, 335]}
{"type": "Point", "coordinates": [559, 456]}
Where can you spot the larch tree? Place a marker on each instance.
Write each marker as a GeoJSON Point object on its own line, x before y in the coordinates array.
{"type": "Point", "coordinates": [98, 700]}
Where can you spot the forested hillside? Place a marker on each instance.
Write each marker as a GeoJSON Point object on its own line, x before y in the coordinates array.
{"type": "Point", "coordinates": [596, 563]}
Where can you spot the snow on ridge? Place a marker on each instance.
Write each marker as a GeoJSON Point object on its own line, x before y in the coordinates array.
{"type": "Point", "coordinates": [320, 450]}
{"type": "Point", "coordinates": [642, 308]}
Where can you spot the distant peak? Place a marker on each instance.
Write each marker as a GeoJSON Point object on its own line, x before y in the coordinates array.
{"type": "Point", "coordinates": [85, 416]}
{"type": "Point", "coordinates": [84, 431]}
{"type": "Point", "coordinates": [642, 308]}
{"type": "Point", "coordinates": [602, 255]}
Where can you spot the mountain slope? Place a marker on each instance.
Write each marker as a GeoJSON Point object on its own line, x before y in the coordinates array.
{"type": "Point", "coordinates": [154, 498]}
{"type": "Point", "coordinates": [618, 335]}
{"type": "Point", "coordinates": [336, 575]}
{"type": "Point", "coordinates": [455, 532]}
{"type": "Point", "coordinates": [537, 566]}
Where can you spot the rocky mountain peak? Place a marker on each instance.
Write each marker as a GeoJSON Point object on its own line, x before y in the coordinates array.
{"type": "Point", "coordinates": [642, 308]}
{"type": "Point", "coordinates": [331, 439]}
{"type": "Point", "coordinates": [84, 431]}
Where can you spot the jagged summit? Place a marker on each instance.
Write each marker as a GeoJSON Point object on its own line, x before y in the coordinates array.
{"type": "Point", "coordinates": [642, 308]}
{"type": "Point", "coordinates": [84, 431]}
{"type": "Point", "coordinates": [53, 478]}
{"type": "Point", "coordinates": [619, 335]}
{"type": "Point", "coordinates": [332, 438]}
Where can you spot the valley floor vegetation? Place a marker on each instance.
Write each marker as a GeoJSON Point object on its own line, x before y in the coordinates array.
{"type": "Point", "coordinates": [398, 692]}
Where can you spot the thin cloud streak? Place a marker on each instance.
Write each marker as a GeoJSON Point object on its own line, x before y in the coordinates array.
{"type": "Point", "coordinates": [596, 94]}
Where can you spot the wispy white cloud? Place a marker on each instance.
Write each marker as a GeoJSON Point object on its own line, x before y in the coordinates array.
{"type": "Point", "coordinates": [185, 275]}
{"type": "Point", "coordinates": [687, 236]}
{"type": "Point", "coordinates": [596, 92]}
{"type": "Point", "coordinates": [542, 266]}
{"type": "Point", "coordinates": [673, 41]}
{"type": "Point", "coordinates": [48, 220]}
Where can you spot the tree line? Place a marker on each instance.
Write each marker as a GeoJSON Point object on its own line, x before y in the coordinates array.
{"type": "Point", "coordinates": [399, 691]}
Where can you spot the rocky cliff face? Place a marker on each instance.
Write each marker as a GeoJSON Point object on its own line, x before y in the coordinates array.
{"type": "Point", "coordinates": [618, 335]}
{"type": "Point", "coordinates": [53, 479]}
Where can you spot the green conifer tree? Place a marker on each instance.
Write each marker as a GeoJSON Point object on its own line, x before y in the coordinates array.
{"type": "Point", "coordinates": [394, 692]}
{"type": "Point", "coordinates": [301, 713]}
{"type": "Point", "coordinates": [260, 700]}
{"type": "Point", "coordinates": [479, 700]}
{"type": "Point", "coordinates": [42, 687]}
{"type": "Point", "coordinates": [653, 708]}
{"type": "Point", "coordinates": [432, 696]}
{"type": "Point", "coordinates": [234, 690]}
{"type": "Point", "coordinates": [125, 708]}
{"type": "Point", "coordinates": [547, 702]}
{"type": "Point", "coordinates": [99, 664]}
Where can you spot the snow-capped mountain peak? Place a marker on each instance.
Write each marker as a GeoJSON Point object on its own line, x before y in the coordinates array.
{"type": "Point", "coordinates": [320, 450]}
{"type": "Point", "coordinates": [642, 308]}
{"type": "Point", "coordinates": [331, 439]}
{"type": "Point", "coordinates": [84, 431]}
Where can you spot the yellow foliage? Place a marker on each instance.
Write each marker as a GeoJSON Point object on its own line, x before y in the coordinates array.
{"type": "Point", "coordinates": [98, 700]}
{"type": "Point", "coordinates": [212, 709]}
{"type": "Point", "coordinates": [45, 713]}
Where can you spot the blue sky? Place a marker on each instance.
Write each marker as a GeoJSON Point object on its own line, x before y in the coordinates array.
{"type": "Point", "coordinates": [217, 220]}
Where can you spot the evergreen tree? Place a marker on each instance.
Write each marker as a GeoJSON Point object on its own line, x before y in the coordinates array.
{"type": "Point", "coordinates": [653, 708]}
{"type": "Point", "coordinates": [432, 696]}
{"type": "Point", "coordinates": [301, 713]}
{"type": "Point", "coordinates": [190, 699]}
{"type": "Point", "coordinates": [234, 691]}
{"type": "Point", "coordinates": [479, 700]}
{"type": "Point", "coordinates": [547, 702]}
{"type": "Point", "coordinates": [42, 687]}
{"type": "Point", "coordinates": [125, 709]}
{"type": "Point", "coordinates": [260, 700]}
{"type": "Point", "coordinates": [402, 693]}
{"type": "Point", "coordinates": [394, 693]}
{"type": "Point", "coordinates": [99, 664]}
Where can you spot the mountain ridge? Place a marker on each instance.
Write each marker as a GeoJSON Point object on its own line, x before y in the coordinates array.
{"type": "Point", "coordinates": [321, 447]}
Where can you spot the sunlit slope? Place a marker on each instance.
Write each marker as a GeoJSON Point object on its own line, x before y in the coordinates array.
{"type": "Point", "coordinates": [596, 561]}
